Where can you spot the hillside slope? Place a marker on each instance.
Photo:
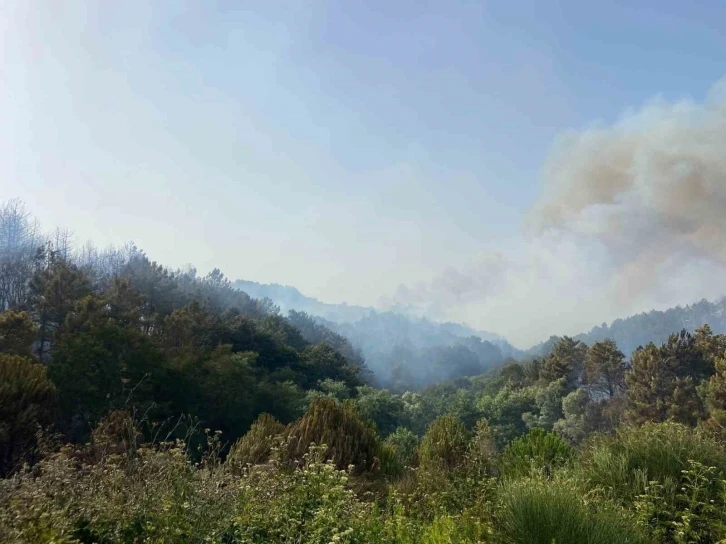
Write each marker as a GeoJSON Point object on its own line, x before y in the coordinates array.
{"type": "Point", "coordinates": [401, 350]}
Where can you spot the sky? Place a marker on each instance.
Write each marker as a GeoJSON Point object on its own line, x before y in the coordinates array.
{"type": "Point", "coordinates": [519, 166]}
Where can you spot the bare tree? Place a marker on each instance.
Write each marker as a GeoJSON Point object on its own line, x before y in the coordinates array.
{"type": "Point", "coordinates": [21, 247]}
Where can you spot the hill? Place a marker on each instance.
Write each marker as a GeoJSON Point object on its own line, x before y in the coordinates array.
{"type": "Point", "coordinates": [403, 351]}
{"type": "Point", "coordinates": [653, 326]}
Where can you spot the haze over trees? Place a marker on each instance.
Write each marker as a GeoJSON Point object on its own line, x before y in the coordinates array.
{"type": "Point", "coordinates": [143, 404]}
{"type": "Point", "coordinates": [402, 351]}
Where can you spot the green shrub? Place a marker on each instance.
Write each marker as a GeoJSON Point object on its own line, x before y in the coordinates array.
{"type": "Point", "coordinates": [309, 504]}
{"type": "Point", "coordinates": [691, 510]}
{"type": "Point", "coordinates": [444, 446]}
{"type": "Point", "coordinates": [255, 446]}
{"type": "Point", "coordinates": [154, 495]}
{"type": "Point", "coordinates": [624, 464]}
{"type": "Point", "coordinates": [403, 443]}
{"type": "Point", "coordinates": [671, 475]}
{"type": "Point", "coordinates": [26, 402]}
{"type": "Point", "coordinates": [538, 450]}
{"type": "Point", "coordinates": [537, 511]}
{"type": "Point", "coordinates": [482, 449]}
{"type": "Point", "coordinates": [348, 440]}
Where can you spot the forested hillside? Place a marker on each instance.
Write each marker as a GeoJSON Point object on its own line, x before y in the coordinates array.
{"type": "Point", "coordinates": [142, 404]}
{"type": "Point", "coordinates": [113, 330]}
{"type": "Point", "coordinates": [402, 351]}
{"type": "Point", "coordinates": [654, 326]}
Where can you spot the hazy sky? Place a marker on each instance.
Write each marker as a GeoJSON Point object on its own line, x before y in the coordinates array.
{"type": "Point", "coordinates": [378, 152]}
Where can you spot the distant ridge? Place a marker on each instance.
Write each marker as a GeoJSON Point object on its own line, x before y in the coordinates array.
{"type": "Point", "coordinates": [653, 326]}
{"type": "Point", "coordinates": [400, 349]}
{"type": "Point", "coordinates": [290, 298]}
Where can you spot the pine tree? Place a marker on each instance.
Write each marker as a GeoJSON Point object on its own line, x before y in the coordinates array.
{"type": "Point", "coordinates": [17, 333]}
{"type": "Point", "coordinates": [662, 382]}
{"type": "Point", "coordinates": [650, 383]}
{"type": "Point", "coordinates": [605, 368]}
{"type": "Point", "coordinates": [56, 288]}
{"type": "Point", "coordinates": [565, 361]}
{"type": "Point", "coordinates": [714, 392]}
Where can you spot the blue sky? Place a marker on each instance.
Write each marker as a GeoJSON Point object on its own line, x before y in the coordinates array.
{"type": "Point", "coordinates": [346, 148]}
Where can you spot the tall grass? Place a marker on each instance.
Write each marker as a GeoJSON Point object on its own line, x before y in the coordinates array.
{"type": "Point", "coordinates": [536, 511]}
{"type": "Point", "coordinates": [624, 464]}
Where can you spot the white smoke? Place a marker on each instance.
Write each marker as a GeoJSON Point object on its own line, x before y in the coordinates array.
{"type": "Point", "coordinates": [632, 218]}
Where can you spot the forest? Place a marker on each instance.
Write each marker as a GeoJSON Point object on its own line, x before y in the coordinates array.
{"type": "Point", "coordinates": [403, 351]}
{"type": "Point", "coordinates": [140, 403]}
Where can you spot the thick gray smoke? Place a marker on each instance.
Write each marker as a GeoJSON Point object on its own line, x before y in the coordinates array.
{"type": "Point", "coordinates": [649, 189]}
{"type": "Point", "coordinates": [632, 218]}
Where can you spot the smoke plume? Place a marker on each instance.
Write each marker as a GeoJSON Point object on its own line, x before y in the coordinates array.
{"type": "Point", "coordinates": [631, 218]}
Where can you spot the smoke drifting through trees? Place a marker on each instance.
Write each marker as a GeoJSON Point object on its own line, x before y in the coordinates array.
{"type": "Point", "coordinates": [631, 218]}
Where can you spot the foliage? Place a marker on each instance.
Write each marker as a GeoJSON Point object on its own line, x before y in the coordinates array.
{"type": "Point", "coordinates": [539, 451]}
{"type": "Point", "coordinates": [663, 380]}
{"type": "Point", "coordinates": [444, 445]}
{"type": "Point", "coordinates": [347, 439]}
{"type": "Point", "coordinates": [256, 446]}
{"type": "Point", "coordinates": [17, 333]}
{"type": "Point", "coordinates": [605, 368]}
{"type": "Point", "coordinates": [714, 393]}
{"type": "Point", "coordinates": [26, 405]}
{"type": "Point", "coordinates": [403, 445]}
{"type": "Point", "coordinates": [156, 495]}
{"type": "Point", "coordinates": [383, 409]}
{"type": "Point", "coordinates": [670, 474]}
{"type": "Point", "coordinates": [654, 451]}
{"type": "Point", "coordinates": [537, 511]}
{"type": "Point", "coordinates": [565, 361]}
{"type": "Point", "coordinates": [691, 510]}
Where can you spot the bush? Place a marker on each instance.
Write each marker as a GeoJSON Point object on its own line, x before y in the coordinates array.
{"type": "Point", "coordinates": [536, 511]}
{"type": "Point", "coordinates": [538, 450]}
{"type": "Point", "coordinates": [348, 440]}
{"type": "Point", "coordinates": [154, 495]}
{"type": "Point", "coordinates": [310, 504]}
{"type": "Point", "coordinates": [444, 446]}
{"type": "Point", "coordinates": [482, 448]}
{"type": "Point", "coordinates": [672, 475]}
{"type": "Point", "coordinates": [402, 443]}
{"type": "Point", "coordinates": [26, 404]}
{"type": "Point", "coordinates": [255, 446]}
{"type": "Point", "coordinates": [624, 464]}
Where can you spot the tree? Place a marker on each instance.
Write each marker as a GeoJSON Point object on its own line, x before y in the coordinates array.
{"type": "Point", "coordinates": [565, 361]}
{"type": "Point", "coordinates": [314, 333]}
{"type": "Point", "coordinates": [17, 333]}
{"type": "Point", "coordinates": [20, 255]}
{"type": "Point", "coordinates": [102, 360]}
{"type": "Point", "coordinates": [548, 401]}
{"type": "Point", "coordinates": [322, 362]}
{"type": "Point", "coordinates": [649, 385]}
{"type": "Point", "coordinates": [662, 381]}
{"type": "Point", "coordinates": [228, 396]}
{"type": "Point", "coordinates": [56, 288]}
{"type": "Point", "coordinates": [26, 403]}
{"type": "Point", "coordinates": [714, 393]}
{"type": "Point", "coordinates": [157, 285]}
{"type": "Point", "coordinates": [573, 426]}
{"type": "Point", "coordinates": [385, 410]}
{"type": "Point", "coordinates": [605, 369]}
